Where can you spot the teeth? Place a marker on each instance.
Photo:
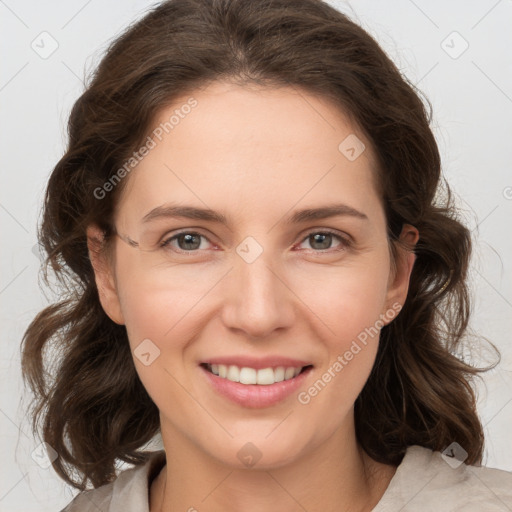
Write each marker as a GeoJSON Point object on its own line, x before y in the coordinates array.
{"type": "Point", "coordinates": [245, 375]}
{"type": "Point", "coordinates": [279, 374]}
{"type": "Point", "coordinates": [265, 376]}
{"type": "Point", "coordinates": [233, 374]}
{"type": "Point", "coordinates": [289, 373]}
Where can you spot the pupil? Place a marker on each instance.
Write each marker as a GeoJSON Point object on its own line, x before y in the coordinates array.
{"type": "Point", "coordinates": [324, 238]}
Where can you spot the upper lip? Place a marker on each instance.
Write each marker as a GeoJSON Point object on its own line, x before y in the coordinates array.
{"type": "Point", "coordinates": [258, 363]}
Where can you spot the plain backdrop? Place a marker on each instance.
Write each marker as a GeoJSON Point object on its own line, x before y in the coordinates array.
{"type": "Point", "coordinates": [457, 53]}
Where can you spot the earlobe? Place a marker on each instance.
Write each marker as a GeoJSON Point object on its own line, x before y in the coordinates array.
{"type": "Point", "coordinates": [399, 283]}
{"type": "Point", "coordinates": [103, 274]}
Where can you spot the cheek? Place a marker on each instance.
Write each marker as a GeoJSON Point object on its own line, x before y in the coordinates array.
{"type": "Point", "coordinates": [160, 318]}
{"type": "Point", "coordinates": [349, 306]}
{"type": "Point", "coordinates": [347, 299]}
{"type": "Point", "coordinates": [157, 301]}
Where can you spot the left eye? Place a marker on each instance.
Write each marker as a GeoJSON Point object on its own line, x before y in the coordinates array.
{"type": "Point", "coordinates": [319, 241]}
{"type": "Point", "coordinates": [324, 240]}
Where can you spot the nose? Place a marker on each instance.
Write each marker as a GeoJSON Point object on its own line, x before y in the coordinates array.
{"type": "Point", "coordinates": [258, 300]}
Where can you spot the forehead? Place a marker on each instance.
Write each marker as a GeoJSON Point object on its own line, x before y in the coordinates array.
{"type": "Point", "coordinates": [276, 118]}
{"type": "Point", "coordinates": [251, 147]}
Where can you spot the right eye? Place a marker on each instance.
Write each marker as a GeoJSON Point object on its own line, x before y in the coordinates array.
{"type": "Point", "coordinates": [187, 241]}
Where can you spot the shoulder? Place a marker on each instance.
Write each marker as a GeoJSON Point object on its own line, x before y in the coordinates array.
{"type": "Point", "coordinates": [128, 492]}
{"type": "Point", "coordinates": [427, 480]}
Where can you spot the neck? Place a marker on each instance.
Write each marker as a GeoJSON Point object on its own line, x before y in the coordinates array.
{"type": "Point", "coordinates": [334, 476]}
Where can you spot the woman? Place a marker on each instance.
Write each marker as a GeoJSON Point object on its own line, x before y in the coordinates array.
{"type": "Point", "coordinates": [264, 273]}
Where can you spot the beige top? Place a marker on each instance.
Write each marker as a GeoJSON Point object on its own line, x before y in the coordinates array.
{"type": "Point", "coordinates": [423, 482]}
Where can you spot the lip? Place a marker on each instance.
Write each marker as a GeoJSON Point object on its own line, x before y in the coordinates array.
{"type": "Point", "coordinates": [253, 395]}
{"type": "Point", "coordinates": [260, 363]}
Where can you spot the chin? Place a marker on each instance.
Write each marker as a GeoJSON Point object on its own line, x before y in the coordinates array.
{"type": "Point", "coordinates": [260, 452]}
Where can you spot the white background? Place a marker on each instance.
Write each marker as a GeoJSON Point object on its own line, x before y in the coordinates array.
{"type": "Point", "coordinates": [472, 99]}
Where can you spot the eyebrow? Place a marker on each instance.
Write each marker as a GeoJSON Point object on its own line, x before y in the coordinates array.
{"type": "Point", "coordinates": [205, 214]}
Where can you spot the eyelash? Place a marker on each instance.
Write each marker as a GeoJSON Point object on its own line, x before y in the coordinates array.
{"type": "Point", "coordinates": [345, 242]}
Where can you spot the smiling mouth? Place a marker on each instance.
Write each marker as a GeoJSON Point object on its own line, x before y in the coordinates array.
{"type": "Point", "coordinates": [247, 375]}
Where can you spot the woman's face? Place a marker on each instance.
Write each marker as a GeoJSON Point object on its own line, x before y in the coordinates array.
{"type": "Point", "coordinates": [269, 287]}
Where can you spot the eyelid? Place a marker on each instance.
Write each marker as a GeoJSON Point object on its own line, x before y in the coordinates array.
{"type": "Point", "coordinates": [341, 234]}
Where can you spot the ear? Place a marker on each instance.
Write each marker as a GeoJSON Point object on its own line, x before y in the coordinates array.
{"type": "Point", "coordinates": [104, 275]}
{"type": "Point", "coordinates": [398, 285]}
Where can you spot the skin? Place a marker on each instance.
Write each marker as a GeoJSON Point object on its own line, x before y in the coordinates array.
{"type": "Point", "coordinates": [255, 155]}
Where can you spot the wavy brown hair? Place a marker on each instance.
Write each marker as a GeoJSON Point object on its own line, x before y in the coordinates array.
{"type": "Point", "coordinates": [89, 403]}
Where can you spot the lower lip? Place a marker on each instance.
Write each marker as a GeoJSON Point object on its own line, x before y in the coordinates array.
{"type": "Point", "coordinates": [256, 395]}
